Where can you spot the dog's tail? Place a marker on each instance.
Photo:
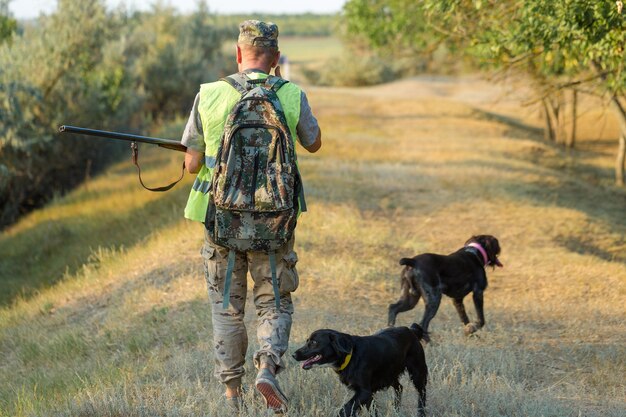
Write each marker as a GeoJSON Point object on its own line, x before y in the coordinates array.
{"type": "Point", "coordinates": [419, 332]}
{"type": "Point", "coordinates": [408, 262]}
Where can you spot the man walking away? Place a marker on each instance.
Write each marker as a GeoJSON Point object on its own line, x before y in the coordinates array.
{"type": "Point", "coordinates": [248, 194]}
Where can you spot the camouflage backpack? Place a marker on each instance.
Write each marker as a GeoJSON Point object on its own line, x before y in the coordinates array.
{"type": "Point", "coordinates": [256, 185]}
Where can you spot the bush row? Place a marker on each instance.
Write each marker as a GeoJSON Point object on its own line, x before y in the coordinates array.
{"type": "Point", "coordinates": [86, 66]}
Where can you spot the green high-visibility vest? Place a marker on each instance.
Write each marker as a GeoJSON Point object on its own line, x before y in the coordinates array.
{"type": "Point", "coordinates": [216, 101]}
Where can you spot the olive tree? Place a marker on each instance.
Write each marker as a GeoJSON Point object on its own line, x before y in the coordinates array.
{"type": "Point", "coordinates": [88, 66]}
{"type": "Point", "coordinates": [8, 25]}
{"type": "Point", "coordinates": [565, 44]}
{"type": "Point", "coordinates": [569, 44]}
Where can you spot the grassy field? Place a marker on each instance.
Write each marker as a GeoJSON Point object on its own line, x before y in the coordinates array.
{"type": "Point", "coordinates": [104, 309]}
{"type": "Point", "coordinates": [307, 50]}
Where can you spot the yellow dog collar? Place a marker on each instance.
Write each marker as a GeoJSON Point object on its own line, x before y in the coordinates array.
{"type": "Point", "coordinates": [345, 362]}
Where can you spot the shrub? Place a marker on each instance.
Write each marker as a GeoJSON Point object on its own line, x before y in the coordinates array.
{"type": "Point", "coordinates": [112, 71]}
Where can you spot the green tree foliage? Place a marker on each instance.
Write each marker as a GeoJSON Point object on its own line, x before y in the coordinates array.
{"type": "Point", "coordinates": [558, 44]}
{"type": "Point", "coordinates": [558, 41]}
{"type": "Point", "coordinates": [395, 27]}
{"type": "Point", "coordinates": [306, 24]}
{"type": "Point", "coordinates": [8, 25]}
{"type": "Point", "coordinates": [567, 44]}
{"type": "Point", "coordinates": [111, 71]}
{"type": "Point", "coordinates": [173, 55]}
{"type": "Point", "coordinates": [393, 33]}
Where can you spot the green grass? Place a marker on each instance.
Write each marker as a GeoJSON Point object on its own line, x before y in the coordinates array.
{"type": "Point", "coordinates": [104, 303]}
{"type": "Point", "coordinates": [307, 50]}
{"type": "Point", "coordinates": [52, 243]}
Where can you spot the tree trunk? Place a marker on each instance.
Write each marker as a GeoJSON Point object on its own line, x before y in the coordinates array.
{"type": "Point", "coordinates": [559, 116]}
{"type": "Point", "coordinates": [549, 132]}
{"type": "Point", "coordinates": [572, 137]}
{"type": "Point", "coordinates": [619, 162]}
{"type": "Point", "coordinates": [621, 150]}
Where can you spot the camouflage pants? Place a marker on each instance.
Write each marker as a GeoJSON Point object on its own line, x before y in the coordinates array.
{"type": "Point", "coordinates": [273, 326]}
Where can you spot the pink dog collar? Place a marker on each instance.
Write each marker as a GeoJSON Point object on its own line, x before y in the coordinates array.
{"type": "Point", "coordinates": [481, 250]}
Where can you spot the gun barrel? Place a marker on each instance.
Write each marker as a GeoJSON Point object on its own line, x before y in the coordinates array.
{"type": "Point", "coordinates": [164, 143]}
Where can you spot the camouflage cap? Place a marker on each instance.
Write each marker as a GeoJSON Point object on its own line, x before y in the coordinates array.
{"type": "Point", "coordinates": [257, 33]}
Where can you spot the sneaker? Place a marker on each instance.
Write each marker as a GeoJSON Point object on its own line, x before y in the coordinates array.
{"type": "Point", "coordinates": [268, 386]}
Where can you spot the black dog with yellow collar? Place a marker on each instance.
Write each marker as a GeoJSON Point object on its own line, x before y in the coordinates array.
{"type": "Point", "coordinates": [367, 364]}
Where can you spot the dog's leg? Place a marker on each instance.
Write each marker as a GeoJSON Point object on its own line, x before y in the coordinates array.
{"type": "Point", "coordinates": [432, 299]}
{"type": "Point", "coordinates": [418, 372]}
{"type": "Point", "coordinates": [478, 304]}
{"type": "Point", "coordinates": [397, 395]}
{"type": "Point", "coordinates": [419, 375]}
{"type": "Point", "coordinates": [460, 308]}
{"type": "Point", "coordinates": [421, 402]}
{"type": "Point", "coordinates": [361, 398]}
{"type": "Point", "coordinates": [405, 303]}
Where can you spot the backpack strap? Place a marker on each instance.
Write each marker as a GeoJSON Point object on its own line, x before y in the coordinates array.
{"type": "Point", "coordinates": [238, 82]}
{"type": "Point", "coordinates": [229, 273]}
{"type": "Point", "coordinates": [272, 256]}
{"type": "Point", "coordinates": [301, 200]}
{"type": "Point", "coordinates": [275, 83]}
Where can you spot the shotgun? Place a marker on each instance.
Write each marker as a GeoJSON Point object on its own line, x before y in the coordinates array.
{"type": "Point", "coordinates": [164, 143]}
{"type": "Point", "coordinates": [133, 139]}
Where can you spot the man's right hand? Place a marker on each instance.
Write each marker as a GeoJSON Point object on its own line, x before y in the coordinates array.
{"type": "Point", "coordinates": [193, 161]}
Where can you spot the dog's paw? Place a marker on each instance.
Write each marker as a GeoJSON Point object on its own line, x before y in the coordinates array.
{"type": "Point", "coordinates": [470, 328]}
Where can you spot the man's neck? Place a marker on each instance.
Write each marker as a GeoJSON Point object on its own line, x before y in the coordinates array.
{"type": "Point", "coordinates": [253, 66]}
{"type": "Point", "coordinates": [248, 70]}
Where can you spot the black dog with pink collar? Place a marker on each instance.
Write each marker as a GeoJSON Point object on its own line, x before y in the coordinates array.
{"type": "Point", "coordinates": [430, 275]}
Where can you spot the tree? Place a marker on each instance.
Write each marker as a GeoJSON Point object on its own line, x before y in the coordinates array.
{"type": "Point", "coordinates": [558, 44]}
{"type": "Point", "coordinates": [566, 44]}
{"type": "Point", "coordinates": [108, 71]}
{"type": "Point", "coordinates": [52, 74]}
{"type": "Point", "coordinates": [394, 29]}
{"type": "Point", "coordinates": [172, 55]}
{"type": "Point", "coordinates": [8, 25]}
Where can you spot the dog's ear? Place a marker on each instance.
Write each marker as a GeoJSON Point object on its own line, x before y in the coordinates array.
{"type": "Point", "coordinates": [492, 246]}
{"type": "Point", "coordinates": [408, 262]}
{"type": "Point", "coordinates": [341, 343]}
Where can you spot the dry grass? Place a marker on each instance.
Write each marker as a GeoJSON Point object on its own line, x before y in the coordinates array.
{"type": "Point", "coordinates": [415, 166]}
